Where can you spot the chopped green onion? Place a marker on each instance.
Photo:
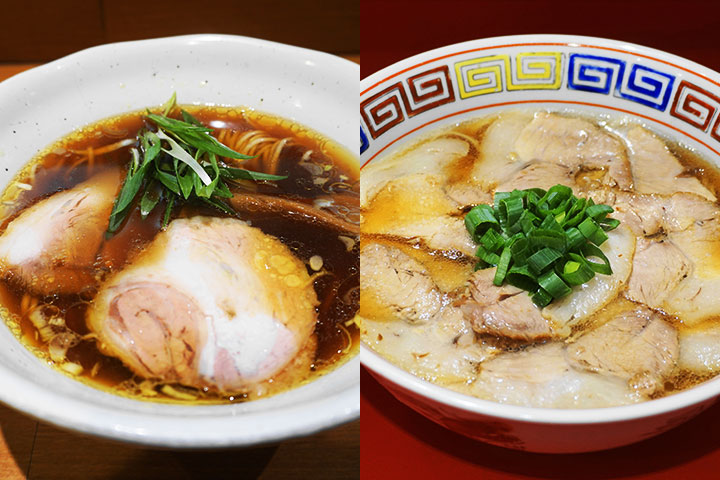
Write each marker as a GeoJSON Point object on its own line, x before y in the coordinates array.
{"type": "Point", "coordinates": [502, 267]}
{"type": "Point", "coordinates": [541, 241]}
{"type": "Point", "coordinates": [492, 240]}
{"type": "Point", "coordinates": [553, 284]}
{"type": "Point", "coordinates": [550, 223]}
{"type": "Point", "coordinates": [598, 212]}
{"type": "Point", "coordinates": [590, 250]}
{"type": "Point", "coordinates": [542, 259]}
{"type": "Point", "coordinates": [574, 238]}
{"type": "Point", "coordinates": [510, 209]}
{"type": "Point", "coordinates": [577, 271]}
{"type": "Point", "coordinates": [527, 222]}
{"type": "Point", "coordinates": [592, 231]}
{"type": "Point", "coordinates": [488, 257]}
{"type": "Point", "coordinates": [521, 251]}
{"type": "Point", "coordinates": [541, 298]}
{"type": "Point", "coordinates": [542, 238]}
{"type": "Point", "coordinates": [479, 220]}
{"type": "Point", "coordinates": [608, 224]}
{"type": "Point", "coordinates": [522, 277]}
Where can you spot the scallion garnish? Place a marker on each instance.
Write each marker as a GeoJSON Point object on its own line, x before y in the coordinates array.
{"type": "Point", "coordinates": [178, 163]}
{"type": "Point", "coordinates": [541, 241]}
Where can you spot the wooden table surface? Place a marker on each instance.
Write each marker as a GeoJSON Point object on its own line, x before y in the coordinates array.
{"type": "Point", "coordinates": [34, 450]}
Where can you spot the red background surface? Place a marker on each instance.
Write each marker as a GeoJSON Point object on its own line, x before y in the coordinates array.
{"type": "Point", "coordinates": [391, 30]}
{"type": "Point", "coordinates": [396, 442]}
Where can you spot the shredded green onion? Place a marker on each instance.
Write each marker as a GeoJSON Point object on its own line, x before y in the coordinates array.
{"type": "Point", "coordinates": [545, 242]}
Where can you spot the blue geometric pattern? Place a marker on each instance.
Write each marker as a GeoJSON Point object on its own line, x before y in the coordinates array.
{"type": "Point", "coordinates": [364, 144]}
{"type": "Point", "coordinates": [592, 73]}
{"type": "Point", "coordinates": [647, 86]}
{"type": "Point", "coordinates": [643, 85]}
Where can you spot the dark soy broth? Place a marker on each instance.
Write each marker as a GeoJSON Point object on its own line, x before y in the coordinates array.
{"type": "Point", "coordinates": [318, 170]}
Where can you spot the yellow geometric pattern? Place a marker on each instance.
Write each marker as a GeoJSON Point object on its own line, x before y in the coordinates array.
{"type": "Point", "coordinates": [535, 70]}
{"type": "Point", "coordinates": [525, 71]}
{"type": "Point", "coordinates": [480, 76]}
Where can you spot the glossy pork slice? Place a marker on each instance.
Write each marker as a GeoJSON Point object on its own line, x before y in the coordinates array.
{"type": "Point", "coordinates": [394, 286]}
{"type": "Point", "coordinates": [691, 225]}
{"type": "Point", "coordinates": [498, 157]}
{"type": "Point", "coordinates": [444, 350]}
{"type": "Point", "coordinates": [51, 247]}
{"type": "Point", "coordinates": [658, 268]}
{"type": "Point", "coordinates": [591, 296]}
{"type": "Point", "coordinates": [426, 158]}
{"type": "Point", "coordinates": [540, 376]}
{"type": "Point", "coordinates": [633, 343]}
{"type": "Point", "coordinates": [504, 311]}
{"type": "Point", "coordinates": [577, 144]}
{"type": "Point", "coordinates": [700, 348]}
{"type": "Point", "coordinates": [696, 297]}
{"type": "Point", "coordinates": [209, 303]}
{"type": "Point", "coordinates": [468, 194]}
{"type": "Point", "coordinates": [647, 215]}
{"type": "Point", "coordinates": [539, 175]}
{"type": "Point", "coordinates": [415, 207]}
{"type": "Point", "coordinates": [656, 170]}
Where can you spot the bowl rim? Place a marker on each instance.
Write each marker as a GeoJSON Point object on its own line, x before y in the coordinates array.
{"type": "Point", "coordinates": [184, 39]}
{"type": "Point", "coordinates": [223, 427]}
{"type": "Point", "coordinates": [378, 365]}
{"type": "Point", "coordinates": [544, 39]}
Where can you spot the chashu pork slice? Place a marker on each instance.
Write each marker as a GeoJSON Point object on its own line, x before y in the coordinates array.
{"type": "Point", "coordinates": [504, 312]}
{"type": "Point", "coordinates": [416, 209]}
{"type": "Point", "coordinates": [394, 286]}
{"type": "Point", "coordinates": [444, 350]}
{"type": "Point", "coordinates": [633, 343]}
{"type": "Point", "coordinates": [685, 228]}
{"type": "Point", "coordinates": [210, 303]}
{"type": "Point", "coordinates": [700, 348]}
{"type": "Point", "coordinates": [656, 170]}
{"type": "Point", "coordinates": [577, 144]}
{"type": "Point", "coordinates": [498, 157]}
{"type": "Point", "coordinates": [428, 157]}
{"type": "Point", "coordinates": [658, 268]}
{"type": "Point", "coordinates": [648, 215]}
{"type": "Point", "coordinates": [541, 376]}
{"type": "Point", "coordinates": [539, 175]}
{"type": "Point", "coordinates": [51, 247]}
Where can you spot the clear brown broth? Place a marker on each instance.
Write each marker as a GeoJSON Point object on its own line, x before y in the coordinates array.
{"type": "Point", "coordinates": [337, 290]}
{"type": "Point", "coordinates": [460, 169]}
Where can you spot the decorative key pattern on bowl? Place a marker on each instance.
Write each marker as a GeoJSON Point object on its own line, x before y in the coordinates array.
{"type": "Point", "coordinates": [640, 80]}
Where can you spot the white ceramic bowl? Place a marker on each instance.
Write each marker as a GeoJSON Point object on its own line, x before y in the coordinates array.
{"type": "Point", "coordinates": [674, 96]}
{"type": "Point", "coordinates": [39, 106]}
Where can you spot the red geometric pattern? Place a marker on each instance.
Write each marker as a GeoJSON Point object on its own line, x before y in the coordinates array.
{"type": "Point", "coordinates": [696, 106]}
{"type": "Point", "coordinates": [383, 110]}
{"type": "Point", "coordinates": [428, 90]}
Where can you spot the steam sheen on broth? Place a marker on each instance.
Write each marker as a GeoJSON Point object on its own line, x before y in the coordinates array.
{"type": "Point", "coordinates": [648, 330]}
{"type": "Point", "coordinates": [305, 222]}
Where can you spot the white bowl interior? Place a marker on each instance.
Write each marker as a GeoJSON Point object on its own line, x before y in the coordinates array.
{"type": "Point", "coordinates": [40, 106]}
